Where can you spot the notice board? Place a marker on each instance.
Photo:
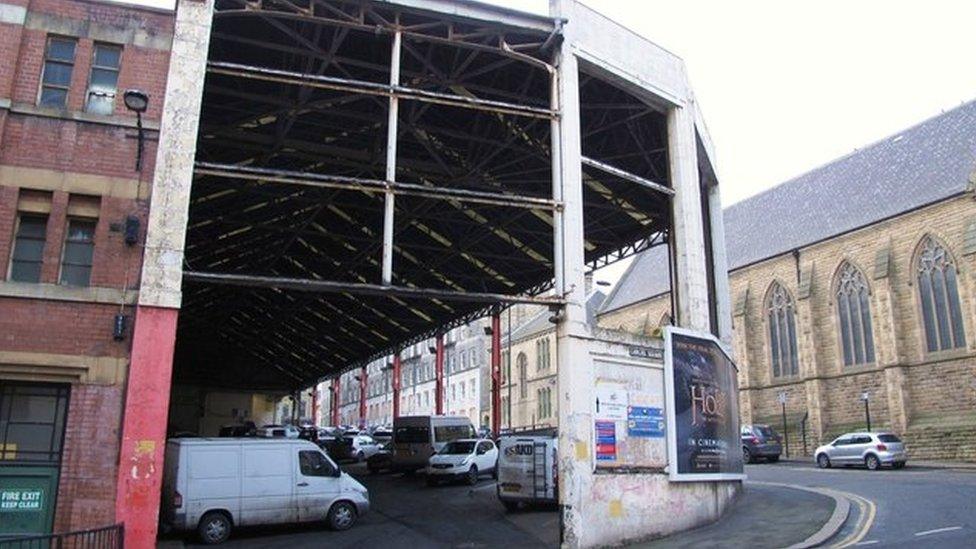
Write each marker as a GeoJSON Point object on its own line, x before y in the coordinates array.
{"type": "Point", "coordinates": [628, 410]}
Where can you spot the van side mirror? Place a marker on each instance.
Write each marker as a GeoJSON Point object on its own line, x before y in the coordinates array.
{"type": "Point", "coordinates": [338, 471]}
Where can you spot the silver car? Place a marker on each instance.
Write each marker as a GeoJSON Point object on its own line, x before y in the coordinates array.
{"type": "Point", "coordinates": [869, 449]}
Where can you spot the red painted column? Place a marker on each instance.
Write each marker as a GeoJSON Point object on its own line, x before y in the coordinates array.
{"type": "Point", "coordinates": [439, 373]}
{"type": "Point", "coordinates": [363, 378]}
{"type": "Point", "coordinates": [315, 405]}
{"type": "Point", "coordinates": [396, 385]}
{"type": "Point", "coordinates": [335, 401]}
{"type": "Point", "coordinates": [496, 373]}
{"type": "Point", "coordinates": [144, 424]}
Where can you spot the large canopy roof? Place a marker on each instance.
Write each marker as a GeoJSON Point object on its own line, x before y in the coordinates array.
{"type": "Point", "coordinates": [282, 282]}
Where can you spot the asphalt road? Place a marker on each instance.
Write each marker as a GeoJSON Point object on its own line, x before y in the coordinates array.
{"type": "Point", "coordinates": [913, 507]}
{"type": "Point", "coordinates": [404, 512]}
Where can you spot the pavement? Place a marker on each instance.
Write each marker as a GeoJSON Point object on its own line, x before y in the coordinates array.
{"type": "Point", "coordinates": [786, 504]}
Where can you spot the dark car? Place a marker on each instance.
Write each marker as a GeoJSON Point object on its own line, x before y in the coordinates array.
{"type": "Point", "coordinates": [758, 442]}
{"type": "Point", "coordinates": [381, 460]}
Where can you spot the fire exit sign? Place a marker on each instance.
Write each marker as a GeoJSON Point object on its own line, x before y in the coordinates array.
{"type": "Point", "coordinates": [21, 500]}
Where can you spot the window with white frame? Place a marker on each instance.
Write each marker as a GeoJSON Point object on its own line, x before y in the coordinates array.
{"type": "Point", "coordinates": [59, 62]}
{"type": "Point", "coordinates": [104, 78]}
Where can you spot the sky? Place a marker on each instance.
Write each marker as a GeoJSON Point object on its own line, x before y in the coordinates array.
{"type": "Point", "coordinates": [786, 86]}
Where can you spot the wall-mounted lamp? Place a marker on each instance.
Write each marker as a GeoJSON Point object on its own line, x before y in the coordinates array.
{"type": "Point", "coordinates": [137, 101]}
{"type": "Point", "coordinates": [118, 330]}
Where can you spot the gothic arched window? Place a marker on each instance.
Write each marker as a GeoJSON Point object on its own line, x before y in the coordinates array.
{"type": "Point", "coordinates": [854, 313]}
{"type": "Point", "coordinates": [781, 318]}
{"type": "Point", "coordinates": [939, 297]}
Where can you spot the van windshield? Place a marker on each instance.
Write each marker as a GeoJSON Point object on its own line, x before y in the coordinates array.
{"type": "Point", "coordinates": [458, 448]}
{"type": "Point", "coordinates": [413, 434]}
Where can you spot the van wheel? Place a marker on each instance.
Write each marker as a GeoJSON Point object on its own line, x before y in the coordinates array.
{"type": "Point", "coordinates": [510, 506]}
{"type": "Point", "coordinates": [473, 475]}
{"type": "Point", "coordinates": [214, 528]}
{"type": "Point", "coordinates": [872, 462]}
{"type": "Point", "coordinates": [342, 516]}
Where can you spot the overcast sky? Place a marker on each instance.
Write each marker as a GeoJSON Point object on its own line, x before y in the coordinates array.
{"type": "Point", "coordinates": [787, 86]}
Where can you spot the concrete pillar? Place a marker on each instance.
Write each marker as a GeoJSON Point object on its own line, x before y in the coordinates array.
{"type": "Point", "coordinates": [154, 335]}
{"type": "Point", "coordinates": [575, 371]}
{"type": "Point", "coordinates": [687, 242]}
{"type": "Point", "coordinates": [723, 298]}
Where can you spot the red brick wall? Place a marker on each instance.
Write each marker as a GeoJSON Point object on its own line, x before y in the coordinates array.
{"type": "Point", "coordinates": [59, 327]}
{"type": "Point", "coordinates": [86, 492]}
{"type": "Point", "coordinates": [115, 264]}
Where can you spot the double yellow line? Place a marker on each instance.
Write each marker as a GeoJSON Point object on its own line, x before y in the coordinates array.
{"type": "Point", "coordinates": [865, 519]}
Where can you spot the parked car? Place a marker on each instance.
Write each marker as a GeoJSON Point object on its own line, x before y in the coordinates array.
{"type": "Point", "coordinates": [381, 460]}
{"type": "Point", "coordinates": [528, 469]}
{"type": "Point", "coordinates": [216, 485]}
{"type": "Point", "coordinates": [278, 431]}
{"type": "Point", "coordinates": [464, 459]}
{"type": "Point", "coordinates": [382, 434]}
{"type": "Point", "coordinates": [869, 449]}
{"type": "Point", "coordinates": [416, 438]}
{"type": "Point", "coordinates": [353, 448]}
{"type": "Point", "coordinates": [246, 429]}
{"type": "Point", "coordinates": [760, 441]}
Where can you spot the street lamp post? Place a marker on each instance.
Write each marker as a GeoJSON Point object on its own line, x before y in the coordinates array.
{"type": "Point", "coordinates": [866, 397]}
{"type": "Point", "coordinates": [786, 434]}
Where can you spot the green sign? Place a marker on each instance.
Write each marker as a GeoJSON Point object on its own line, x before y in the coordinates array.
{"type": "Point", "coordinates": [21, 500]}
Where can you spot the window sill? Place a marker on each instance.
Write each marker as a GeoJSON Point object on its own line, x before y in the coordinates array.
{"type": "Point", "coordinates": [56, 292]}
{"type": "Point", "coordinates": [81, 116]}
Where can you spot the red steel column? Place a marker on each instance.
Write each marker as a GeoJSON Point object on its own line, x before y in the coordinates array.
{"type": "Point", "coordinates": [144, 420]}
{"type": "Point", "coordinates": [363, 378]}
{"type": "Point", "coordinates": [439, 373]}
{"type": "Point", "coordinates": [315, 405]}
{"type": "Point", "coordinates": [496, 373]}
{"type": "Point", "coordinates": [396, 385]}
{"type": "Point", "coordinates": [335, 401]}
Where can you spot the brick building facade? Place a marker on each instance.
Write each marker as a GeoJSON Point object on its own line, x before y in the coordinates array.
{"type": "Point", "coordinates": [68, 191]}
{"type": "Point", "coordinates": [867, 267]}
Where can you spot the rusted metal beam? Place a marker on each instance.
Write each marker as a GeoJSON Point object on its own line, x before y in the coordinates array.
{"type": "Point", "coordinates": [331, 286]}
{"type": "Point", "coordinates": [375, 89]}
{"type": "Point", "coordinates": [378, 186]}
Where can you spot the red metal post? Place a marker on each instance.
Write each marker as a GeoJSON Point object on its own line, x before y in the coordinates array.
{"type": "Point", "coordinates": [140, 470]}
{"type": "Point", "coordinates": [335, 401]}
{"type": "Point", "coordinates": [439, 374]}
{"type": "Point", "coordinates": [363, 378]}
{"type": "Point", "coordinates": [315, 405]}
{"type": "Point", "coordinates": [396, 385]}
{"type": "Point", "coordinates": [496, 373]}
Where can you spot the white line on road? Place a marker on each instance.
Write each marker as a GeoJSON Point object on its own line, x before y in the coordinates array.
{"type": "Point", "coordinates": [868, 542]}
{"type": "Point", "coordinates": [938, 530]}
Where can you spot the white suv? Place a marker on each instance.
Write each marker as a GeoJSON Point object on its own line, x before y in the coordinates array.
{"type": "Point", "coordinates": [465, 458]}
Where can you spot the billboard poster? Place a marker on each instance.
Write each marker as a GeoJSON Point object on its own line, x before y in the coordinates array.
{"type": "Point", "coordinates": [606, 441]}
{"type": "Point", "coordinates": [702, 396]}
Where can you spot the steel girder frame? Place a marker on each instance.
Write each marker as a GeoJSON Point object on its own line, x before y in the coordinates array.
{"type": "Point", "coordinates": [370, 175]}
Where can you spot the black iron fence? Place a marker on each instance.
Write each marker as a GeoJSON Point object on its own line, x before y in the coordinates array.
{"type": "Point", "coordinates": [107, 537]}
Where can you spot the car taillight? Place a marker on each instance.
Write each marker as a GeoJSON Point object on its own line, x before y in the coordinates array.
{"type": "Point", "coordinates": [882, 448]}
{"type": "Point", "coordinates": [177, 500]}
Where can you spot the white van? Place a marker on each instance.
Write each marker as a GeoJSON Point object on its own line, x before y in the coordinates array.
{"type": "Point", "coordinates": [213, 485]}
{"type": "Point", "coordinates": [416, 438]}
{"type": "Point", "coordinates": [527, 469]}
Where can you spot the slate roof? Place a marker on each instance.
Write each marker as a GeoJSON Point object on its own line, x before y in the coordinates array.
{"type": "Point", "coordinates": [539, 323]}
{"type": "Point", "coordinates": [926, 163]}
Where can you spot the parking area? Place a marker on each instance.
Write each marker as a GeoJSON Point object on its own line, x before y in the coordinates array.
{"type": "Point", "coordinates": [405, 509]}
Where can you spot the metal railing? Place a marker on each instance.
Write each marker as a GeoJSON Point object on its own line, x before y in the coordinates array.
{"type": "Point", "coordinates": [106, 537]}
